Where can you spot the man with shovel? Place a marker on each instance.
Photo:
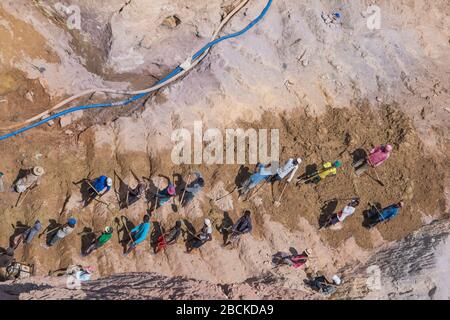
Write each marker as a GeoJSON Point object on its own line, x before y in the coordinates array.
{"type": "Point", "coordinates": [98, 187]}
{"type": "Point", "coordinates": [63, 231]}
{"type": "Point", "coordinates": [242, 226]}
{"type": "Point", "coordinates": [134, 195]}
{"type": "Point", "coordinates": [192, 189]}
{"type": "Point", "coordinates": [290, 168]}
{"type": "Point", "coordinates": [260, 174]}
{"type": "Point", "coordinates": [166, 194]}
{"type": "Point", "coordinates": [328, 169]}
{"type": "Point", "coordinates": [376, 216]}
{"type": "Point", "coordinates": [201, 238]}
{"type": "Point", "coordinates": [100, 241]}
{"type": "Point", "coordinates": [31, 180]}
{"type": "Point", "coordinates": [28, 235]}
{"type": "Point", "coordinates": [139, 234]}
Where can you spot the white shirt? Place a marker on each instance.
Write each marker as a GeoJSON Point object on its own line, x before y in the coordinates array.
{"type": "Point", "coordinates": [346, 212]}
{"type": "Point", "coordinates": [62, 233]}
{"type": "Point", "coordinates": [288, 168]}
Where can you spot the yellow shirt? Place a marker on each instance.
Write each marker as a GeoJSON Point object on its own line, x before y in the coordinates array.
{"type": "Point", "coordinates": [331, 170]}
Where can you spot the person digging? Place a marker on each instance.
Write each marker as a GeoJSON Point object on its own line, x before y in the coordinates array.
{"type": "Point", "coordinates": [31, 180]}
{"type": "Point", "coordinates": [100, 241]}
{"type": "Point", "coordinates": [139, 233]}
{"type": "Point", "coordinates": [192, 189]}
{"type": "Point", "coordinates": [376, 158]}
{"type": "Point", "coordinates": [27, 236]}
{"type": "Point", "coordinates": [261, 174]}
{"type": "Point", "coordinates": [328, 169]}
{"type": "Point", "coordinates": [292, 260]}
{"type": "Point", "coordinates": [201, 238]}
{"type": "Point", "coordinates": [169, 237]}
{"type": "Point", "coordinates": [137, 193]}
{"type": "Point", "coordinates": [242, 226]}
{"type": "Point", "coordinates": [63, 231]}
{"type": "Point", "coordinates": [343, 214]}
{"type": "Point", "coordinates": [374, 216]}
{"type": "Point", "coordinates": [166, 194]}
{"type": "Point", "coordinates": [322, 285]}
{"type": "Point", "coordinates": [98, 188]}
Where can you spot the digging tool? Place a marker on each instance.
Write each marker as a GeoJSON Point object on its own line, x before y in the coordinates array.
{"type": "Point", "coordinates": [157, 195]}
{"type": "Point", "coordinates": [300, 181]}
{"type": "Point", "coordinates": [376, 180]}
{"type": "Point", "coordinates": [278, 203]}
{"type": "Point", "coordinates": [257, 190]}
{"type": "Point", "coordinates": [374, 206]}
{"type": "Point", "coordinates": [117, 193]}
{"type": "Point", "coordinates": [126, 228]}
{"type": "Point", "coordinates": [88, 232]}
{"type": "Point", "coordinates": [340, 199]}
{"type": "Point", "coordinates": [48, 232]}
{"type": "Point", "coordinates": [128, 232]}
{"type": "Point", "coordinates": [184, 191]}
{"type": "Point", "coordinates": [378, 177]}
{"type": "Point", "coordinates": [98, 195]}
{"type": "Point", "coordinates": [378, 211]}
{"type": "Point", "coordinates": [189, 232]}
{"type": "Point", "coordinates": [21, 198]}
{"type": "Point", "coordinates": [234, 189]}
{"type": "Point", "coordinates": [92, 187]}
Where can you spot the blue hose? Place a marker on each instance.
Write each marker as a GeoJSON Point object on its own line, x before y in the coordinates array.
{"type": "Point", "coordinates": [172, 74]}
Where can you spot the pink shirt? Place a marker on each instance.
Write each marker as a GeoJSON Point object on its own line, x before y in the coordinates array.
{"type": "Point", "coordinates": [378, 156]}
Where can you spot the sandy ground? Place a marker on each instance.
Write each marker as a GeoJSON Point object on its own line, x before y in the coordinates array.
{"type": "Point", "coordinates": [357, 89]}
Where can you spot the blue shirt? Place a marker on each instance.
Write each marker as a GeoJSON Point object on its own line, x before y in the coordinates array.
{"type": "Point", "coordinates": [140, 232]}
{"type": "Point", "coordinates": [100, 184]}
{"type": "Point", "coordinates": [260, 175]}
{"type": "Point", "coordinates": [389, 213]}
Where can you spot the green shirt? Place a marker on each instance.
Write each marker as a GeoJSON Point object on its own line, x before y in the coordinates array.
{"type": "Point", "coordinates": [104, 238]}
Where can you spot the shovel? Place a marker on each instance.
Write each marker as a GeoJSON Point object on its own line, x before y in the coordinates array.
{"type": "Point", "coordinates": [278, 202]}
{"type": "Point", "coordinates": [184, 191]}
{"type": "Point", "coordinates": [98, 200]}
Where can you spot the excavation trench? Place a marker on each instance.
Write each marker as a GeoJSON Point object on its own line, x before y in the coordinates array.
{"type": "Point", "coordinates": [408, 174]}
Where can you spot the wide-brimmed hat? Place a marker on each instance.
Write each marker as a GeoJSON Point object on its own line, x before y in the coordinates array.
{"type": "Point", "coordinates": [38, 171]}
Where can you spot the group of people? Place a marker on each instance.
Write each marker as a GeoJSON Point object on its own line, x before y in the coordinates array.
{"type": "Point", "coordinates": [270, 173]}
